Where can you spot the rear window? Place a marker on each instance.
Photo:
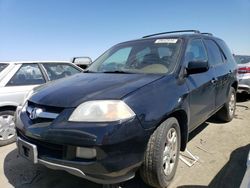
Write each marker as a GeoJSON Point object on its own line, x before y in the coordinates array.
{"type": "Point", "coordinates": [3, 66]}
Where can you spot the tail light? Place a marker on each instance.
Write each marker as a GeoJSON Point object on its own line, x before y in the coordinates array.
{"type": "Point", "coordinates": [243, 70]}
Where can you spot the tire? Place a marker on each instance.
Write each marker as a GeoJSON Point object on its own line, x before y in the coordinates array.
{"type": "Point", "coordinates": [154, 168]}
{"type": "Point", "coordinates": [7, 127]}
{"type": "Point", "coordinates": [227, 112]}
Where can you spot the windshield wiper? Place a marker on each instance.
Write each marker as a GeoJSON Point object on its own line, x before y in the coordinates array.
{"type": "Point", "coordinates": [88, 71]}
{"type": "Point", "coordinates": [118, 71]}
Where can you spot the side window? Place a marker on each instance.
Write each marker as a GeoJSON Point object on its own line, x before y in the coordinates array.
{"type": "Point", "coordinates": [59, 70]}
{"type": "Point", "coordinates": [28, 74]}
{"type": "Point", "coordinates": [214, 53]}
{"type": "Point", "coordinates": [196, 51]}
{"type": "Point", "coordinates": [3, 66]}
{"type": "Point", "coordinates": [226, 50]}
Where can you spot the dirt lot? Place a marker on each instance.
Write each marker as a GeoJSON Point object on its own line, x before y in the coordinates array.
{"type": "Point", "coordinates": [222, 150]}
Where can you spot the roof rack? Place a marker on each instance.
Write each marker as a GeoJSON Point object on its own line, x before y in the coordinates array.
{"type": "Point", "coordinates": [180, 31]}
{"type": "Point", "coordinates": [210, 34]}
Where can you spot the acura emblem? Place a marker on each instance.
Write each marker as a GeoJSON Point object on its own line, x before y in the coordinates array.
{"type": "Point", "coordinates": [35, 113]}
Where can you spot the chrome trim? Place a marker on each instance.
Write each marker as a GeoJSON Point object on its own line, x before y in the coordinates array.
{"type": "Point", "coordinates": [79, 173]}
{"type": "Point", "coordinates": [49, 115]}
{"type": "Point", "coordinates": [54, 166]}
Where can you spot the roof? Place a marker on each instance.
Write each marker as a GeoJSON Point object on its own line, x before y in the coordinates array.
{"type": "Point", "coordinates": [24, 62]}
{"type": "Point", "coordinates": [182, 36]}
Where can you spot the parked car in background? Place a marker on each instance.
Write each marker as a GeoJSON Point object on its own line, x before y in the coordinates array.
{"type": "Point", "coordinates": [243, 62]}
{"type": "Point", "coordinates": [132, 110]}
{"type": "Point", "coordinates": [17, 79]}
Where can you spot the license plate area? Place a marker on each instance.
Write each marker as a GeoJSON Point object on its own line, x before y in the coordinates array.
{"type": "Point", "coordinates": [27, 150]}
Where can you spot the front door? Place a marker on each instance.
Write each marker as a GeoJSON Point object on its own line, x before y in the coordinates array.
{"type": "Point", "coordinates": [201, 85]}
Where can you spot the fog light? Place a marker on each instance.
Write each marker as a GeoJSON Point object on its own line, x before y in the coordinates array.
{"type": "Point", "coordinates": [86, 153]}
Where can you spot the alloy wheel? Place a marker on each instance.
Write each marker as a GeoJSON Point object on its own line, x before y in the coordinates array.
{"type": "Point", "coordinates": [232, 104]}
{"type": "Point", "coordinates": [7, 127]}
{"type": "Point", "coordinates": [170, 151]}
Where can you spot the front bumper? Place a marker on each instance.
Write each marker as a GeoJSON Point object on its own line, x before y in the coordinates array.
{"type": "Point", "coordinates": [73, 170]}
{"type": "Point", "coordinates": [120, 146]}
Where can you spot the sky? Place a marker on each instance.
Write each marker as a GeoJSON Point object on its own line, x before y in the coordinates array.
{"type": "Point", "coordinates": [62, 29]}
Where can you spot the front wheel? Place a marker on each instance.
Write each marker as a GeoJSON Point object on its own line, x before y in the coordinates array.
{"type": "Point", "coordinates": [7, 127]}
{"type": "Point", "coordinates": [226, 113]}
{"type": "Point", "coordinates": [162, 154]}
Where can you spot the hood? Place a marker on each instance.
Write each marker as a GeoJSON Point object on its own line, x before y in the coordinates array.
{"type": "Point", "coordinates": [72, 91]}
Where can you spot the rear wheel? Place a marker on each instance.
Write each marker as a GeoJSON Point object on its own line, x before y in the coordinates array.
{"type": "Point", "coordinates": [162, 154]}
{"type": "Point", "coordinates": [226, 113]}
{"type": "Point", "coordinates": [7, 127]}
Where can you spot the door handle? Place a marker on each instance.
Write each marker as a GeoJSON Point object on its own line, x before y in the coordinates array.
{"type": "Point", "coordinates": [214, 80]}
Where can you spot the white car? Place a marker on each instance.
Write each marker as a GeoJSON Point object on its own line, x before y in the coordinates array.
{"type": "Point", "coordinates": [243, 73]}
{"type": "Point", "coordinates": [17, 79]}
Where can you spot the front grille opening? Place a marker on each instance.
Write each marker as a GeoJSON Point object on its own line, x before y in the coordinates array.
{"type": "Point", "coordinates": [52, 150]}
{"type": "Point", "coordinates": [46, 108]}
{"type": "Point", "coordinates": [45, 149]}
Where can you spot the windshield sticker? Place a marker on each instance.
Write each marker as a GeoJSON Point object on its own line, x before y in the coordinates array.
{"type": "Point", "coordinates": [169, 41]}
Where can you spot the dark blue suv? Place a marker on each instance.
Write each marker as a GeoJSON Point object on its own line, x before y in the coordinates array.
{"type": "Point", "coordinates": [132, 110]}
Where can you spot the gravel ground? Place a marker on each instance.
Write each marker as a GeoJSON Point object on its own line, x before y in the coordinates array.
{"type": "Point", "coordinates": [222, 150]}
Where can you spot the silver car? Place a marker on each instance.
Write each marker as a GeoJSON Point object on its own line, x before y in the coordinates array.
{"type": "Point", "coordinates": [243, 73]}
{"type": "Point", "coordinates": [17, 79]}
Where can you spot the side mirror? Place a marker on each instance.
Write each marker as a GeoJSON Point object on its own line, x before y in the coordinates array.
{"type": "Point", "coordinates": [82, 62]}
{"type": "Point", "coordinates": [195, 67]}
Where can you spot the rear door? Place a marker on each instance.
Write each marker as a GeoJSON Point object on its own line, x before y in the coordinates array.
{"type": "Point", "coordinates": [201, 86]}
{"type": "Point", "coordinates": [218, 62]}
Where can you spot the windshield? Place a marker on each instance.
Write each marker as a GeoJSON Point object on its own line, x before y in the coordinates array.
{"type": "Point", "coordinates": [242, 59]}
{"type": "Point", "coordinates": [3, 66]}
{"type": "Point", "coordinates": [158, 56]}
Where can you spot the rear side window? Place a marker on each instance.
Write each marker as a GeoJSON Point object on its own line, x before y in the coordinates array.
{"type": "Point", "coordinates": [59, 70]}
{"type": "Point", "coordinates": [196, 51]}
{"type": "Point", "coordinates": [28, 74]}
{"type": "Point", "coordinates": [214, 54]}
{"type": "Point", "coordinates": [3, 66]}
{"type": "Point", "coordinates": [226, 50]}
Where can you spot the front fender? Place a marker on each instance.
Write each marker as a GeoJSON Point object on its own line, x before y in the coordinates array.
{"type": "Point", "coordinates": [154, 102]}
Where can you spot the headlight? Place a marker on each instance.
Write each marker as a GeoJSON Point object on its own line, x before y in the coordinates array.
{"type": "Point", "coordinates": [102, 111]}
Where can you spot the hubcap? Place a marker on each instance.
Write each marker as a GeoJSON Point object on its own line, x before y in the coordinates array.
{"type": "Point", "coordinates": [7, 127]}
{"type": "Point", "coordinates": [231, 105]}
{"type": "Point", "coordinates": [170, 151]}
